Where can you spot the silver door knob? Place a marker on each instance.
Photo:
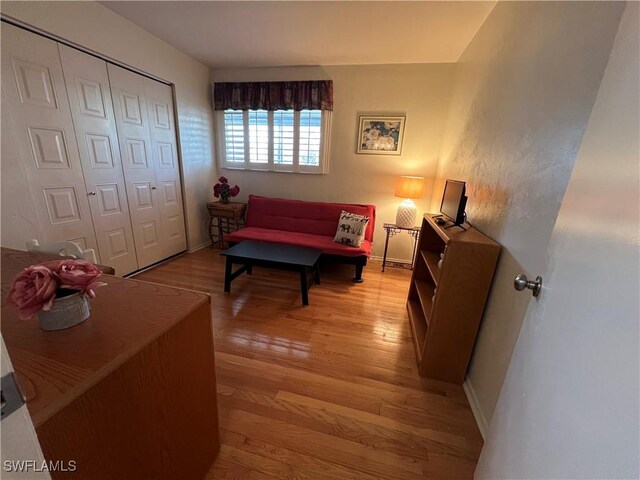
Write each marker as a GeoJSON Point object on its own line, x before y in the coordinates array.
{"type": "Point", "coordinates": [91, 193]}
{"type": "Point", "coordinates": [521, 282]}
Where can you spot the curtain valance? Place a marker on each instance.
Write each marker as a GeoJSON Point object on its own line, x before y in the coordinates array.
{"type": "Point", "coordinates": [299, 95]}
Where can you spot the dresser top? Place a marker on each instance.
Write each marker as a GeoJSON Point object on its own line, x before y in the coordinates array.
{"type": "Point", "coordinates": [54, 368]}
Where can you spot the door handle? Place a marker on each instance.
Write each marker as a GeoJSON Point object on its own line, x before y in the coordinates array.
{"type": "Point", "coordinates": [153, 188]}
{"type": "Point", "coordinates": [91, 193]}
{"type": "Point", "coordinates": [11, 397]}
{"type": "Point", "coordinates": [521, 282]}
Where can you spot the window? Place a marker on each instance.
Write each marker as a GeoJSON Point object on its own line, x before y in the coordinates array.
{"type": "Point", "coordinates": [279, 140]}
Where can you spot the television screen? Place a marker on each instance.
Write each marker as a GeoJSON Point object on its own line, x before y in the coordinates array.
{"type": "Point", "coordinates": [454, 201]}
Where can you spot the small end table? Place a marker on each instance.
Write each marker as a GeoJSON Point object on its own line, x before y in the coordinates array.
{"type": "Point", "coordinates": [391, 231]}
{"type": "Point", "coordinates": [225, 218]}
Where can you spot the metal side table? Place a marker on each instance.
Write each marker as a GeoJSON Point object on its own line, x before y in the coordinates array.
{"type": "Point", "coordinates": [391, 231]}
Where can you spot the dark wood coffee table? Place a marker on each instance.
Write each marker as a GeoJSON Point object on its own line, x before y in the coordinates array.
{"type": "Point", "coordinates": [273, 255]}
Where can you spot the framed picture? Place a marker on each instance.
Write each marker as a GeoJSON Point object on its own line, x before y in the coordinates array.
{"type": "Point", "coordinates": [380, 134]}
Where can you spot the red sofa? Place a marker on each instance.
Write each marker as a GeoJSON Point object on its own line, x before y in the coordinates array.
{"type": "Point", "coordinates": [307, 224]}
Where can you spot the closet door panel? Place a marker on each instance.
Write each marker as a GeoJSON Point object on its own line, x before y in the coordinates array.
{"type": "Point", "coordinates": [165, 152]}
{"type": "Point", "coordinates": [89, 93]}
{"type": "Point", "coordinates": [132, 122]}
{"type": "Point", "coordinates": [36, 114]}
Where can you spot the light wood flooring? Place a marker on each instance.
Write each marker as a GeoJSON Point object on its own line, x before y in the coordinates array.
{"type": "Point", "coordinates": [328, 391]}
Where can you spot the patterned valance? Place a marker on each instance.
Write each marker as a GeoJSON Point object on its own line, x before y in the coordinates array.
{"type": "Point", "coordinates": [300, 95]}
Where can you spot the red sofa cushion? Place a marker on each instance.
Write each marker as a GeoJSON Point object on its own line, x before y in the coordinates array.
{"type": "Point", "coordinates": [317, 218]}
{"type": "Point", "coordinates": [321, 242]}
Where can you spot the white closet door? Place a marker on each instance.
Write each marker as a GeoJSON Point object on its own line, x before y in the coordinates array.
{"type": "Point", "coordinates": [35, 108]}
{"type": "Point", "coordinates": [165, 153]}
{"type": "Point", "coordinates": [127, 89]}
{"type": "Point", "coordinates": [95, 126]}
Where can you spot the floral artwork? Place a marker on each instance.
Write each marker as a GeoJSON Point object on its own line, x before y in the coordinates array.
{"type": "Point", "coordinates": [380, 135]}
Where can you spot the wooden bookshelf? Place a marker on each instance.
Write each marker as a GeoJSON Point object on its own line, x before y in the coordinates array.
{"type": "Point", "coordinates": [445, 305]}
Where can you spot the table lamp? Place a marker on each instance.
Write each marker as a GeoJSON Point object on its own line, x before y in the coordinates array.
{"type": "Point", "coordinates": [408, 188]}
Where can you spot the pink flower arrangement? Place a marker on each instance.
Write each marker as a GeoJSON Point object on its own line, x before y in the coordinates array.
{"type": "Point", "coordinates": [37, 286]}
{"type": "Point", "coordinates": [224, 191]}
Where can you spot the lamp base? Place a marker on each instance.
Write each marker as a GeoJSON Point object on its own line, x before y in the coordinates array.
{"type": "Point", "coordinates": [406, 215]}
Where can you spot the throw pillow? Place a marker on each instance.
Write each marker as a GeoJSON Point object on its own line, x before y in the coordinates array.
{"type": "Point", "coordinates": [351, 228]}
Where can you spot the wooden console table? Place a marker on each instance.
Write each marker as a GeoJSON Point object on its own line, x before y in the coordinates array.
{"type": "Point", "coordinates": [224, 218]}
{"type": "Point", "coordinates": [131, 392]}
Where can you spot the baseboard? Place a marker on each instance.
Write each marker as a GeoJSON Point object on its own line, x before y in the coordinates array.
{"type": "Point", "coordinates": [198, 247]}
{"type": "Point", "coordinates": [481, 421]}
{"type": "Point", "coordinates": [154, 265]}
{"type": "Point", "coordinates": [389, 259]}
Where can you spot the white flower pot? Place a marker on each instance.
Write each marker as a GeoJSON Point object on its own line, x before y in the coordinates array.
{"type": "Point", "coordinates": [65, 312]}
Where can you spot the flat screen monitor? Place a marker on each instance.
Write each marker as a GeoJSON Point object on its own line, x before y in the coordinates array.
{"type": "Point", "coordinates": [454, 201]}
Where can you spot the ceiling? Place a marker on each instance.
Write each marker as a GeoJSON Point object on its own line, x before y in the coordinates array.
{"type": "Point", "coordinates": [285, 33]}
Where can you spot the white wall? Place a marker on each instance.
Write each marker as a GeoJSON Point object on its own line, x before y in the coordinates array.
{"type": "Point", "coordinates": [420, 91]}
{"type": "Point", "coordinates": [524, 89]}
{"type": "Point", "coordinates": [569, 405]}
{"type": "Point", "coordinates": [93, 26]}
{"type": "Point", "coordinates": [19, 441]}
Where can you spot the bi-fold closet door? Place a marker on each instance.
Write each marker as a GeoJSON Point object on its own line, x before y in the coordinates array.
{"type": "Point", "coordinates": [39, 145]}
{"type": "Point", "coordinates": [95, 127]}
{"type": "Point", "coordinates": [97, 146]}
{"type": "Point", "coordinates": [164, 149]}
{"type": "Point", "coordinates": [144, 118]}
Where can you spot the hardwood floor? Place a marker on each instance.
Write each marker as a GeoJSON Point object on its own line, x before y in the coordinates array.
{"type": "Point", "coordinates": [328, 391]}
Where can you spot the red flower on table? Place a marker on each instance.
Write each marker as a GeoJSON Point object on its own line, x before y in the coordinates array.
{"type": "Point", "coordinates": [223, 190]}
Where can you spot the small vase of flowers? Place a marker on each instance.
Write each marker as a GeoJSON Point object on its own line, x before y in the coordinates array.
{"type": "Point", "coordinates": [223, 191]}
{"type": "Point", "coordinates": [58, 292]}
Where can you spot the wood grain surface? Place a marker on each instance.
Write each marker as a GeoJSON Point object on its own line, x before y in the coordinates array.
{"type": "Point", "coordinates": [328, 391]}
{"type": "Point", "coordinates": [445, 305]}
{"type": "Point", "coordinates": [130, 393]}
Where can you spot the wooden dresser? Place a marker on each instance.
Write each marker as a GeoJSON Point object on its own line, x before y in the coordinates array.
{"type": "Point", "coordinates": [128, 394]}
{"type": "Point", "coordinates": [446, 302]}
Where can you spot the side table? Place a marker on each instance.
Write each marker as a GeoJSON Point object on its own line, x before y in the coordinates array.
{"type": "Point", "coordinates": [391, 231]}
{"type": "Point", "coordinates": [225, 218]}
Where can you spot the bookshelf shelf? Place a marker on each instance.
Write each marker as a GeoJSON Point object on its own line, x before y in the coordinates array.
{"type": "Point", "coordinates": [431, 259]}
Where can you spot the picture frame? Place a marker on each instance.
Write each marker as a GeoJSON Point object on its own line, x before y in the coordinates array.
{"type": "Point", "coordinates": [380, 134]}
